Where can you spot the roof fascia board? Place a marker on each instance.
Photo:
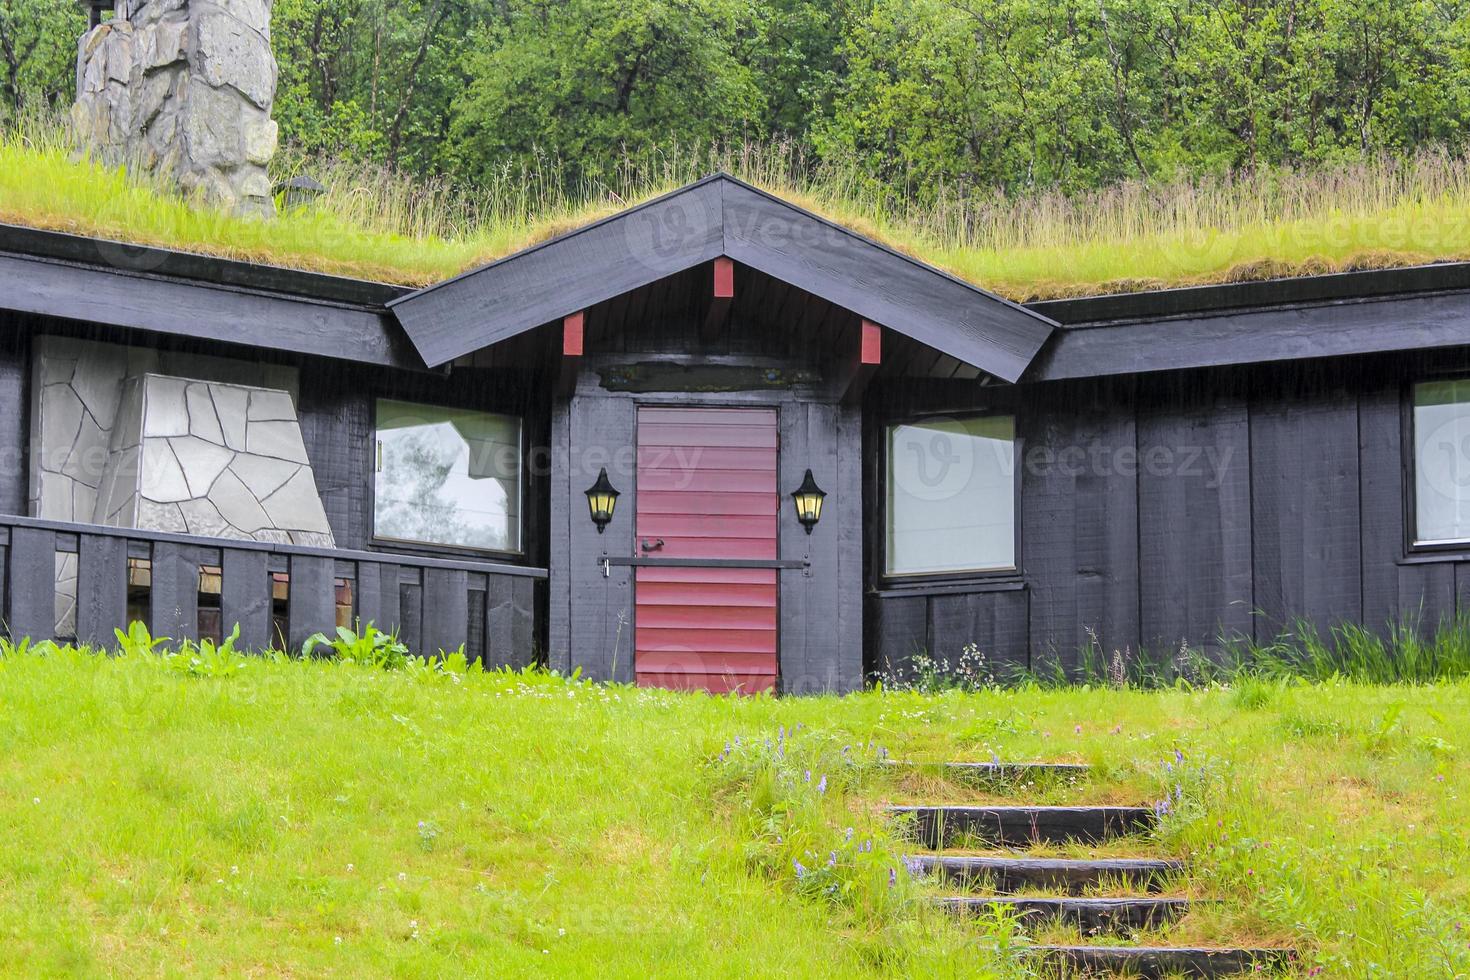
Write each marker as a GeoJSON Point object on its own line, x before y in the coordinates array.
{"type": "Point", "coordinates": [1188, 301]}
{"type": "Point", "coordinates": [1258, 336]}
{"type": "Point", "coordinates": [108, 254]}
{"type": "Point", "coordinates": [549, 281]}
{"type": "Point", "coordinates": [184, 308]}
{"type": "Point", "coordinates": [880, 284]}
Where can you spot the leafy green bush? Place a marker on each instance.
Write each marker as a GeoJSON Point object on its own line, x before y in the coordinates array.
{"type": "Point", "coordinates": [207, 658]}
{"type": "Point", "coordinates": [370, 647]}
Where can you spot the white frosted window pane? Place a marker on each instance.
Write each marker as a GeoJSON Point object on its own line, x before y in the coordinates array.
{"type": "Point", "coordinates": [448, 476]}
{"type": "Point", "coordinates": [951, 496]}
{"type": "Point", "coordinates": [1442, 460]}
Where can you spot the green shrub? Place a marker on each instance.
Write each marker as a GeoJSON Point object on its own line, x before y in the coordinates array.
{"type": "Point", "coordinates": [370, 647]}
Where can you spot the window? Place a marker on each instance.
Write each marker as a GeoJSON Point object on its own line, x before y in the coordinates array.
{"type": "Point", "coordinates": [951, 496]}
{"type": "Point", "coordinates": [448, 476]}
{"type": "Point", "coordinates": [1442, 461]}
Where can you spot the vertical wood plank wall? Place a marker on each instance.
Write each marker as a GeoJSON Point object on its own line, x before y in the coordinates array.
{"type": "Point", "coordinates": [14, 414]}
{"type": "Point", "coordinates": [1259, 496]}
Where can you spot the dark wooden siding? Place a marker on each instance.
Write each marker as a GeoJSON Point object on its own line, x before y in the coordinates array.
{"type": "Point", "coordinates": [1079, 521]}
{"type": "Point", "coordinates": [14, 411]}
{"type": "Point", "coordinates": [1248, 499]}
{"type": "Point", "coordinates": [1304, 493]}
{"type": "Point", "coordinates": [1194, 503]}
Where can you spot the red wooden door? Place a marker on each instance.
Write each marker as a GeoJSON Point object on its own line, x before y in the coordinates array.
{"type": "Point", "coordinates": [706, 490]}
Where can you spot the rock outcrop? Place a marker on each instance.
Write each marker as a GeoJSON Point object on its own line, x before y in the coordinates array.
{"type": "Point", "coordinates": [183, 89]}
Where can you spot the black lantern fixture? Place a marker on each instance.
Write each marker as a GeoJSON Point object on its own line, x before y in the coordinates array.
{"type": "Point", "coordinates": [808, 499]}
{"type": "Point", "coordinates": [602, 499]}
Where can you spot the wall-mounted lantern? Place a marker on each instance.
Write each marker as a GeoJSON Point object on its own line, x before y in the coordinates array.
{"type": "Point", "coordinates": [602, 499]}
{"type": "Point", "coordinates": [808, 499]}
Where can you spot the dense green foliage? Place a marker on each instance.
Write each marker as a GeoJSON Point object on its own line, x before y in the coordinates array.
{"type": "Point", "coordinates": [919, 94]}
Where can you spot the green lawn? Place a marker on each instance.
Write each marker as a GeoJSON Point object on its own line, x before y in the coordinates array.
{"type": "Point", "coordinates": [321, 818]}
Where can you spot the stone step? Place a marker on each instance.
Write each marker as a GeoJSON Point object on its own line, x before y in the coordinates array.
{"type": "Point", "coordinates": [939, 827]}
{"type": "Point", "coordinates": [1070, 875]}
{"type": "Point", "coordinates": [1090, 915]}
{"type": "Point", "coordinates": [1157, 962]}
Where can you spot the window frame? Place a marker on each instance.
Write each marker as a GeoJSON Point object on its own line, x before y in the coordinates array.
{"type": "Point", "coordinates": [1446, 548]}
{"type": "Point", "coordinates": [401, 546]}
{"type": "Point", "coordinates": [888, 580]}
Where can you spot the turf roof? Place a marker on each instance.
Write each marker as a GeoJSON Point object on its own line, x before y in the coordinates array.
{"type": "Point", "coordinates": [45, 187]}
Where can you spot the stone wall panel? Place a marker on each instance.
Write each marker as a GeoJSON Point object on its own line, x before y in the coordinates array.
{"type": "Point", "coordinates": [214, 449]}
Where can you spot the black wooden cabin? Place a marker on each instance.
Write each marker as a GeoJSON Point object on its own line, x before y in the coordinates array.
{"type": "Point", "coordinates": [1150, 472]}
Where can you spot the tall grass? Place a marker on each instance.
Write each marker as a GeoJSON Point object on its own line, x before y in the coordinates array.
{"type": "Point", "coordinates": [1405, 651]}
{"type": "Point", "coordinates": [1401, 653]}
{"type": "Point", "coordinates": [377, 222]}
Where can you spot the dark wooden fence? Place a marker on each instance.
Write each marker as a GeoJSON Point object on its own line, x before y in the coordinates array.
{"type": "Point", "coordinates": [184, 586]}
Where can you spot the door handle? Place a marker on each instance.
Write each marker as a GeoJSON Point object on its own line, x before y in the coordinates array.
{"type": "Point", "coordinates": [654, 544]}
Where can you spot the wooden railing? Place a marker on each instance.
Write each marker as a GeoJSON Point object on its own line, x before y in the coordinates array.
{"type": "Point", "coordinates": [184, 586]}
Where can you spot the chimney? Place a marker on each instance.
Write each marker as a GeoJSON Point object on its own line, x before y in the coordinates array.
{"type": "Point", "coordinates": [182, 89]}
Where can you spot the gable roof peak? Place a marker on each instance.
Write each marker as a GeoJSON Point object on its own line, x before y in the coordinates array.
{"type": "Point", "coordinates": [721, 215]}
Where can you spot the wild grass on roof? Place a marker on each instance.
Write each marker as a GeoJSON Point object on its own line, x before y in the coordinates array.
{"type": "Point", "coordinates": [377, 224]}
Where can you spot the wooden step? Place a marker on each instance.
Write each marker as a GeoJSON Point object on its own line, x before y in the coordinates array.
{"type": "Point", "coordinates": [939, 827]}
{"type": "Point", "coordinates": [1157, 962]}
{"type": "Point", "coordinates": [1070, 875]}
{"type": "Point", "coordinates": [1091, 915]}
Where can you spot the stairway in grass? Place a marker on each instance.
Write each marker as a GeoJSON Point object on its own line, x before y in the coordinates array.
{"type": "Point", "coordinates": [1080, 877]}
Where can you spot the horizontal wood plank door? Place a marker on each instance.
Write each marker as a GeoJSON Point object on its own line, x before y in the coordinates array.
{"type": "Point", "coordinates": [706, 490]}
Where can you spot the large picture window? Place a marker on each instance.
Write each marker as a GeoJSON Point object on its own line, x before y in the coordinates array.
{"type": "Point", "coordinates": [951, 496]}
{"type": "Point", "coordinates": [1442, 462]}
{"type": "Point", "coordinates": [448, 476]}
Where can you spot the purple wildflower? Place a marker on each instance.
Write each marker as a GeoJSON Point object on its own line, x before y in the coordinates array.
{"type": "Point", "coordinates": [800, 870]}
{"type": "Point", "coordinates": [892, 878]}
{"type": "Point", "coordinates": [822, 786]}
{"type": "Point", "coordinates": [808, 775]}
{"type": "Point", "coordinates": [832, 860]}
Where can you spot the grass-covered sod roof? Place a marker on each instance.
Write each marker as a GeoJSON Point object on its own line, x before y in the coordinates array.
{"type": "Point", "coordinates": [376, 225]}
